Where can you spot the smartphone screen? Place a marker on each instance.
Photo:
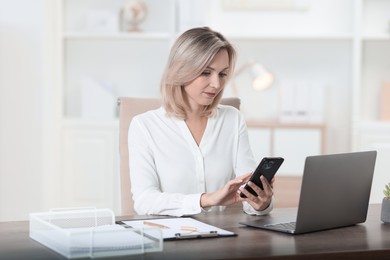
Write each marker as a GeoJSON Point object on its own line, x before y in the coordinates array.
{"type": "Point", "coordinates": [268, 168]}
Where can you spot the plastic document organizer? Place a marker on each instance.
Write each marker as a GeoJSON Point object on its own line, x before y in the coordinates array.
{"type": "Point", "coordinates": [91, 233]}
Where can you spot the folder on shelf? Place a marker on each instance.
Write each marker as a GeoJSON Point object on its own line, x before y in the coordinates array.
{"type": "Point", "coordinates": [385, 101]}
{"type": "Point", "coordinates": [179, 228]}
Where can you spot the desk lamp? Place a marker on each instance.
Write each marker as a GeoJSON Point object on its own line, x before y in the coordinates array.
{"type": "Point", "coordinates": [260, 77]}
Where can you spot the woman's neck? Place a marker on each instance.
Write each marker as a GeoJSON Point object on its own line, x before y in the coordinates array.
{"type": "Point", "coordinates": [196, 123]}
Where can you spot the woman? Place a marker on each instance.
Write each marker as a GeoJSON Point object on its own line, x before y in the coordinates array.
{"type": "Point", "coordinates": [185, 156]}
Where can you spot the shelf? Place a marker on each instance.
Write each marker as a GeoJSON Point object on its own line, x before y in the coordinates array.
{"type": "Point", "coordinates": [322, 37]}
{"type": "Point", "coordinates": [377, 37]}
{"type": "Point", "coordinates": [374, 125]}
{"type": "Point", "coordinates": [116, 36]}
{"type": "Point", "coordinates": [276, 124]}
{"type": "Point", "coordinates": [81, 122]}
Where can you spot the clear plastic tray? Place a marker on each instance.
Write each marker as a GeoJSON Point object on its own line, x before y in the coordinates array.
{"type": "Point", "coordinates": [78, 233]}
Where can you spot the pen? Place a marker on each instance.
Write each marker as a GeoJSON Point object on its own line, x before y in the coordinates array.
{"type": "Point", "coordinates": [187, 228]}
{"type": "Point", "coordinates": [152, 224]}
{"type": "Point", "coordinates": [196, 235]}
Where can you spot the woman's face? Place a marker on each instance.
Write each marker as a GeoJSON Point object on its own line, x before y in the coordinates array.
{"type": "Point", "coordinates": [202, 90]}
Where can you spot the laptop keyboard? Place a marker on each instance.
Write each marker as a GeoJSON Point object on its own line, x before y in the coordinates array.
{"type": "Point", "coordinates": [284, 226]}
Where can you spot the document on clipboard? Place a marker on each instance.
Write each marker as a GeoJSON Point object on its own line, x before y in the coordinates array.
{"type": "Point", "coordinates": [179, 228]}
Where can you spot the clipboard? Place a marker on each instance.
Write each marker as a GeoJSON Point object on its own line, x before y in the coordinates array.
{"type": "Point", "coordinates": [179, 228]}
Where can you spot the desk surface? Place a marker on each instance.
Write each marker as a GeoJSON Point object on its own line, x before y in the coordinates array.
{"type": "Point", "coordinates": [370, 240]}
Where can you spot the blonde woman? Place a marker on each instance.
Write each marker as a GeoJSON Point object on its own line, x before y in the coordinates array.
{"type": "Point", "coordinates": [192, 154]}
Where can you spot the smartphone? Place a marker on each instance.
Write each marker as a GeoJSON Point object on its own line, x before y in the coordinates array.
{"type": "Point", "coordinates": [267, 167]}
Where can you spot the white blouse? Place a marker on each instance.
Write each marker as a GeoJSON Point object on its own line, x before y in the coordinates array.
{"type": "Point", "coordinates": [169, 171]}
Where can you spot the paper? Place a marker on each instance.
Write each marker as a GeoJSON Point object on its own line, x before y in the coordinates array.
{"type": "Point", "coordinates": [183, 226]}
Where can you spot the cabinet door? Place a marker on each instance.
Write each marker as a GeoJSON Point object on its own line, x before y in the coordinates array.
{"type": "Point", "coordinates": [260, 142]}
{"type": "Point", "coordinates": [90, 175]}
{"type": "Point", "coordinates": [378, 140]}
{"type": "Point", "coordinates": [295, 145]}
{"type": "Point", "coordinates": [382, 166]}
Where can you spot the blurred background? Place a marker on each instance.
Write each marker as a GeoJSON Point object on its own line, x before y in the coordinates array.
{"type": "Point", "coordinates": [313, 77]}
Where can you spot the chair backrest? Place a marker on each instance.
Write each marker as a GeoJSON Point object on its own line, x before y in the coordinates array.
{"type": "Point", "coordinates": [128, 108]}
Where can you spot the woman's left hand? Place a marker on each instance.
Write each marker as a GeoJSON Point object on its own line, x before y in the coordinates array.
{"type": "Point", "coordinates": [263, 198]}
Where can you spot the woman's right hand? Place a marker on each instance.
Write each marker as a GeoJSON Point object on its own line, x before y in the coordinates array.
{"type": "Point", "coordinates": [225, 196]}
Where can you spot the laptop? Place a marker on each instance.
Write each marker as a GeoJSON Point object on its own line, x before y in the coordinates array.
{"type": "Point", "coordinates": [335, 193]}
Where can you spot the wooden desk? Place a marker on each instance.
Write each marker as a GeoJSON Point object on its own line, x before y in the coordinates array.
{"type": "Point", "coordinates": [370, 240]}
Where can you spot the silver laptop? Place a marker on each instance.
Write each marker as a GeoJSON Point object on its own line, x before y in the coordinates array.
{"type": "Point", "coordinates": [335, 193]}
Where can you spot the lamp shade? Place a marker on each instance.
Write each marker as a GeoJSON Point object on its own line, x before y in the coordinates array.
{"type": "Point", "coordinates": [262, 78]}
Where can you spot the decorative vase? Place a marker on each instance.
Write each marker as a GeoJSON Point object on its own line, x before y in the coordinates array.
{"type": "Point", "coordinates": [132, 14]}
{"type": "Point", "coordinates": [385, 213]}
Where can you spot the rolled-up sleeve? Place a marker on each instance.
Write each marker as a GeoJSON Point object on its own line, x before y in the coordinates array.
{"type": "Point", "coordinates": [248, 209]}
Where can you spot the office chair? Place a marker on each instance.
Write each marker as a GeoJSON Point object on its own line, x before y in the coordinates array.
{"type": "Point", "coordinates": [128, 108]}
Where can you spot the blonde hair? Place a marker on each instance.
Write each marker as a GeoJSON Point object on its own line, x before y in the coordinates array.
{"type": "Point", "coordinates": [191, 53]}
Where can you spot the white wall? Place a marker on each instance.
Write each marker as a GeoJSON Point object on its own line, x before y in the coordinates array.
{"type": "Point", "coordinates": [21, 52]}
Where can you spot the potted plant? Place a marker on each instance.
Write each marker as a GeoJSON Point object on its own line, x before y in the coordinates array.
{"type": "Point", "coordinates": [385, 215]}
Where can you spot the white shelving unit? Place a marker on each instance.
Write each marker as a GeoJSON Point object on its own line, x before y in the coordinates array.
{"type": "Point", "coordinates": [115, 63]}
{"type": "Point", "coordinates": [340, 45]}
{"type": "Point", "coordinates": [372, 54]}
